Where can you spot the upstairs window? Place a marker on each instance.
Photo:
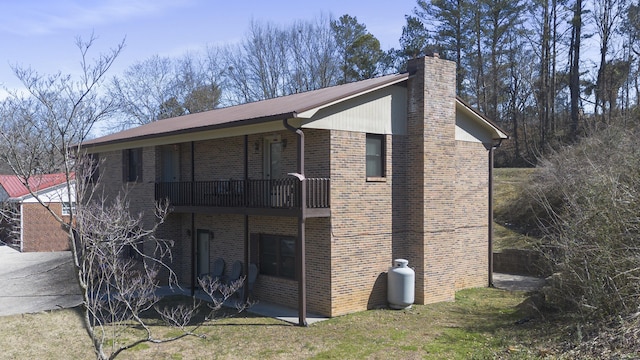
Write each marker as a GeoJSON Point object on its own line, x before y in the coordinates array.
{"type": "Point", "coordinates": [132, 165]}
{"type": "Point", "coordinates": [375, 156]}
{"type": "Point", "coordinates": [93, 168]}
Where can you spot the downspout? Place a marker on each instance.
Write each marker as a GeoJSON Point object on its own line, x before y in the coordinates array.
{"type": "Point", "coordinates": [302, 280]}
{"type": "Point", "coordinates": [247, 250]}
{"type": "Point", "coordinates": [193, 224]}
{"type": "Point", "coordinates": [490, 225]}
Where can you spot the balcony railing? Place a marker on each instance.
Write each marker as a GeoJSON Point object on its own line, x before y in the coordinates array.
{"type": "Point", "coordinates": [275, 193]}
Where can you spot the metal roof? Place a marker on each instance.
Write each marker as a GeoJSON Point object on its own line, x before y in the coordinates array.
{"type": "Point", "coordinates": [15, 188]}
{"type": "Point", "coordinates": [285, 107]}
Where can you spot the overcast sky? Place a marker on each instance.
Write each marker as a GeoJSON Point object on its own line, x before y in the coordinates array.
{"type": "Point", "coordinates": [41, 33]}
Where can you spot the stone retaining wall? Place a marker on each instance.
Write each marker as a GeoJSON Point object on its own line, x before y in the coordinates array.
{"type": "Point", "coordinates": [519, 262]}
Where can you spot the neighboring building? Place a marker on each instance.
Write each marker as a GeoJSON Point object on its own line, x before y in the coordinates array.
{"type": "Point", "coordinates": [28, 226]}
{"type": "Point", "coordinates": [393, 167]}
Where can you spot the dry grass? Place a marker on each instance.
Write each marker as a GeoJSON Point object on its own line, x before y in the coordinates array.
{"type": "Point", "coordinates": [480, 324]}
{"type": "Point", "coordinates": [46, 335]}
{"type": "Point", "coordinates": [508, 186]}
{"type": "Point", "coordinates": [508, 183]}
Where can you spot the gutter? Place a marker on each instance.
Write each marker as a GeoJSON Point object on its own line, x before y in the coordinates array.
{"type": "Point", "coordinates": [89, 144]}
{"type": "Point", "coordinates": [300, 249]}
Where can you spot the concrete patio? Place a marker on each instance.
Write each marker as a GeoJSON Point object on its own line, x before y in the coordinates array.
{"type": "Point", "coordinates": [260, 308]}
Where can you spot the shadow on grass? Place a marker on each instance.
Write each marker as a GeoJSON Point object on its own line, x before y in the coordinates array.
{"type": "Point", "coordinates": [204, 316]}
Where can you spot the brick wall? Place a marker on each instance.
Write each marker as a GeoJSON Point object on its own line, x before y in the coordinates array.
{"type": "Point", "coordinates": [431, 177]}
{"type": "Point", "coordinates": [471, 213]}
{"type": "Point", "coordinates": [520, 262]}
{"type": "Point", "coordinates": [41, 231]}
{"type": "Point", "coordinates": [361, 226]}
{"type": "Point", "coordinates": [140, 195]}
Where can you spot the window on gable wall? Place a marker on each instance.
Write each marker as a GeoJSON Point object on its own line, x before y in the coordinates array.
{"type": "Point", "coordinates": [68, 207]}
{"type": "Point", "coordinates": [375, 155]}
{"type": "Point", "coordinates": [278, 256]}
{"type": "Point", "coordinates": [132, 165]}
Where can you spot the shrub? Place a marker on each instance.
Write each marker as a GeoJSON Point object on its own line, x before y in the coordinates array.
{"type": "Point", "coordinates": [587, 197]}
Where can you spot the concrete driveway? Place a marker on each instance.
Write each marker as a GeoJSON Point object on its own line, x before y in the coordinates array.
{"type": "Point", "coordinates": [33, 282]}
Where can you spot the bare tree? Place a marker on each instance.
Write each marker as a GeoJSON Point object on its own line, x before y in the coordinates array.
{"type": "Point", "coordinates": [116, 254]}
{"type": "Point", "coordinates": [162, 87]}
{"type": "Point", "coordinates": [258, 68]}
{"type": "Point", "coordinates": [120, 261]}
{"type": "Point", "coordinates": [608, 16]}
{"type": "Point", "coordinates": [313, 56]}
{"type": "Point", "coordinates": [142, 89]}
{"type": "Point", "coordinates": [574, 67]}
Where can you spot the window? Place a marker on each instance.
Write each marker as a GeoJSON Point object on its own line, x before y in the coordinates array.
{"type": "Point", "coordinates": [94, 169]}
{"type": "Point", "coordinates": [375, 155]}
{"type": "Point", "coordinates": [68, 207]}
{"type": "Point", "coordinates": [132, 165]}
{"type": "Point", "coordinates": [278, 256]}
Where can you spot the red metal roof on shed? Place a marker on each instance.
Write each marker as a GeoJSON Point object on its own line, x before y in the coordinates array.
{"type": "Point", "coordinates": [14, 186]}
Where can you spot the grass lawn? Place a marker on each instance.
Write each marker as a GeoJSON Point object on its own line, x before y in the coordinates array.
{"type": "Point", "coordinates": [479, 324]}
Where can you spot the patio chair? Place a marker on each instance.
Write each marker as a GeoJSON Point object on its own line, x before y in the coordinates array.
{"type": "Point", "coordinates": [236, 272]}
{"type": "Point", "coordinates": [218, 269]}
{"type": "Point", "coordinates": [217, 272]}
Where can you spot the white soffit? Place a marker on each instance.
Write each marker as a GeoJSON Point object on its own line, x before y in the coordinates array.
{"type": "Point", "coordinates": [58, 193]}
{"type": "Point", "coordinates": [474, 128]}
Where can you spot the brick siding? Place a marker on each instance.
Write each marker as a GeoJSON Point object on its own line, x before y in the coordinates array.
{"type": "Point", "coordinates": [431, 177]}
{"type": "Point", "coordinates": [361, 223]}
{"type": "Point", "coordinates": [472, 211]}
{"type": "Point", "coordinates": [41, 231]}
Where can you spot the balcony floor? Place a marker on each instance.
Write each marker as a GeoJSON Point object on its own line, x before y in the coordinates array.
{"type": "Point", "coordinates": [293, 212]}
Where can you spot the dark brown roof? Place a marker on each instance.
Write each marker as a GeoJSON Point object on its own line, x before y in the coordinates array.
{"type": "Point", "coordinates": [285, 107]}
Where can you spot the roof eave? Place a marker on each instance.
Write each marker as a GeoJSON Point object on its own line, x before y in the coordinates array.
{"type": "Point", "coordinates": [499, 133]}
{"type": "Point", "coordinates": [310, 111]}
{"type": "Point", "coordinates": [245, 122]}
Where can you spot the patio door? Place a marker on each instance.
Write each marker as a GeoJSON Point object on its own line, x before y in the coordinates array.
{"type": "Point", "coordinates": [170, 155]}
{"type": "Point", "coordinates": [272, 157]}
{"type": "Point", "coordinates": [202, 261]}
{"type": "Point", "coordinates": [273, 170]}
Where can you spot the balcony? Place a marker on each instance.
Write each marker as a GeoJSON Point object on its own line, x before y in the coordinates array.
{"type": "Point", "coordinates": [278, 197]}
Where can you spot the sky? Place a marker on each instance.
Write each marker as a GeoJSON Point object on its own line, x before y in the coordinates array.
{"type": "Point", "coordinates": [41, 34]}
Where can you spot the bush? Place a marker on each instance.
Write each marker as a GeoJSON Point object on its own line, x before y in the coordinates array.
{"type": "Point", "coordinates": [587, 198]}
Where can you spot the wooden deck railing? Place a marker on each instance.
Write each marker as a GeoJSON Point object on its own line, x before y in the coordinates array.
{"type": "Point", "coordinates": [275, 193]}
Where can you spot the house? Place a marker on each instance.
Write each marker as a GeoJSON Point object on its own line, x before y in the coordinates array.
{"type": "Point", "coordinates": [322, 190]}
{"type": "Point", "coordinates": [28, 226]}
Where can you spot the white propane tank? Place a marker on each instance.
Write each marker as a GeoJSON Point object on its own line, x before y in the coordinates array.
{"type": "Point", "coordinates": [400, 285]}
